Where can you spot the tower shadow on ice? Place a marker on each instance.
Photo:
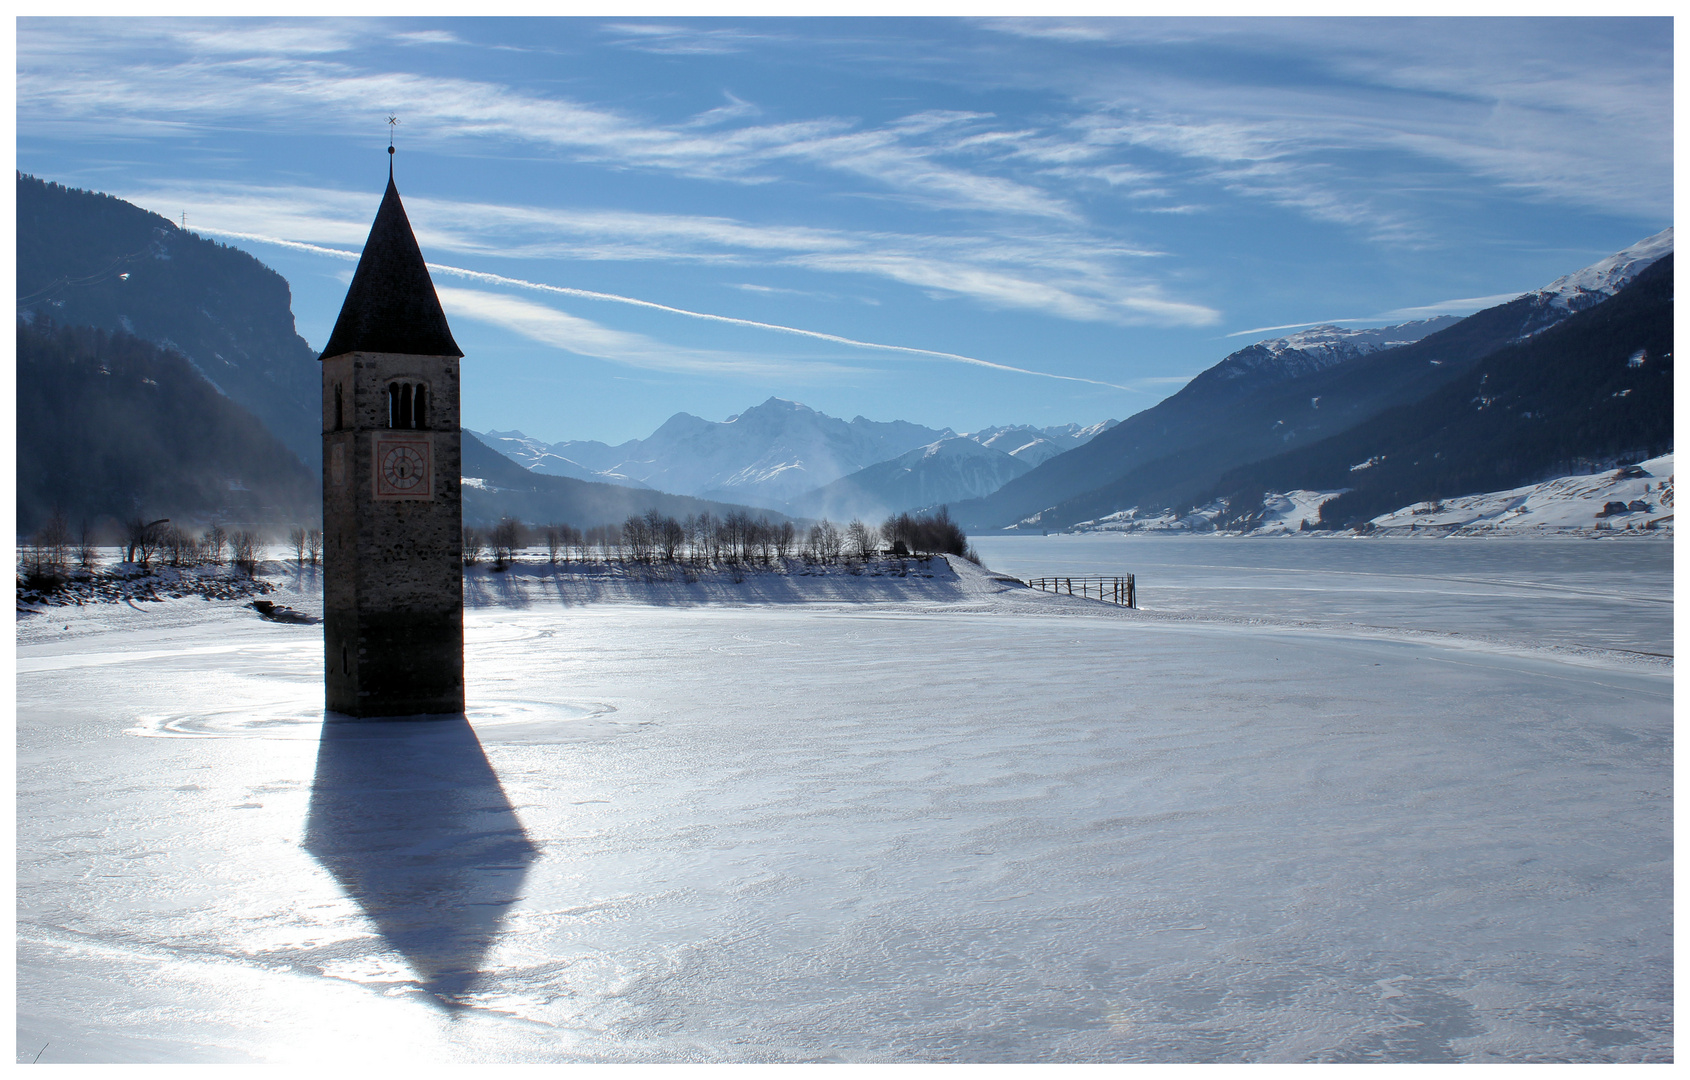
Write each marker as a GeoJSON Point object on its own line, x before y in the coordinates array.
{"type": "Point", "coordinates": [412, 822]}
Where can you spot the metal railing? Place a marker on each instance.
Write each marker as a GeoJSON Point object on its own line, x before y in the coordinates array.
{"type": "Point", "coordinates": [1110, 590]}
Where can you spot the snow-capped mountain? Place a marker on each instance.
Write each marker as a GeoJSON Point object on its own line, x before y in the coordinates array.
{"type": "Point", "coordinates": [1306, 352]}
{"type": "Point", "coordinates": [1035, 445]}
{"type": "Point", "coordinates": [536, 456]}
{"type": "Point", "coordinates": [764, 456]}
{"type": "Point", "coordinates": [1277, 395]}
{"type": "Point", "coordinates": [1598, 281]}
{"type": "Point", "coordinates": [1586, 288]}
{"type": "Point", "coordinates": [945, 471]}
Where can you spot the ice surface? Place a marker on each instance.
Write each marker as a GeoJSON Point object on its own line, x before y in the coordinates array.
{"type": "Point", "coordinates": [1610, 598]}
{"type": "Point", "coordinates": [972, 824]}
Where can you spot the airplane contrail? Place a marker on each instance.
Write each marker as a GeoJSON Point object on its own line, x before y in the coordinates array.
{"type": "Point", "coordinates": [499, 279]}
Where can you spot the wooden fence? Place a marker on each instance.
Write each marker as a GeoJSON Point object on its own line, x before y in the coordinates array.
{"type": "Point", "coordinates": [1111, 590]}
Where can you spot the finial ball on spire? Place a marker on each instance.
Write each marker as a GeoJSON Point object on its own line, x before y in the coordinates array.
{"type": "Point", "coordinates": [390, 149]}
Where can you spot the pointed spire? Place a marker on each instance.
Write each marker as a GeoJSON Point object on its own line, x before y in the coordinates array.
{"type": "Point", "coordinates": [391, 306]}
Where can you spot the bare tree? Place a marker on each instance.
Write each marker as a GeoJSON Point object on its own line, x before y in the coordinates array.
{"type": "Point", "coordinates": [554, 542]}
{"type": "Point", "coordinates": [296, 537]}
{"type": "Point", "coordinates": [606, 537]}
{"type": "Point", "coordinates": [507, 537]}
{"type": "Point", "coordinates": [703, 538]}
{"type": "Point", "coordinates": [216, 542]}
{"type": "Point", "coordinates": [472, 546]}
{"type": "Point", "coordinates": [178, 547]}
{"type": "Point", "coordinates": [55, 539]}
{"type": "Point", "coordinates": [49, 551]}
{"type": "Point", "coordinates": [87, 553]}
{"type": "Point", "coordinates": [142, 540]}
{"type": "Point", "coordinates": [314, 544]}
{"type": "Point", "coordinates": [636, 538]}
{"type": "Point", "coordinates": [244, 552]}
{"type": "Point", "coordinates": [671, 537]}
{"type": "Point", "coordinates": [825, 541]}
{"type": "Point", "coordinates": [861, 540]}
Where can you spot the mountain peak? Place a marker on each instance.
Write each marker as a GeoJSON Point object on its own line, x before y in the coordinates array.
{"type": "Point", "coordinates": [1608, 276]}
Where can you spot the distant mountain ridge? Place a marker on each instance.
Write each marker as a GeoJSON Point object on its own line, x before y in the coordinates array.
{"type": "Point", "coordinates": [789, 456]}
{"type": "Point", "coordinates": [1034, 445]}
{"type": "Point", "coordinates": [1594, 388]}
{"type": "Point", "coordinates": [539, 457]}
{"type": "Point", "coordinates": [939, 473]}
{"type": "Point", "coordinates": [496, 487]}
{"type": "Point", "coordinates": [1174, 451]}
{"type": "Point", "coordinates": [1307, 352]}
{"type": "Point", "coordinates": [766, 455]}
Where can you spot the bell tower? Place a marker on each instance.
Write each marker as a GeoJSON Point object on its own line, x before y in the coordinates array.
{"type": "Point", "coordinates": [393, 606]}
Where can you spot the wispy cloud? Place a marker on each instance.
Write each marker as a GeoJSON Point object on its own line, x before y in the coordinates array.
{"type": "Point", "coordinates": [1296, 326]}
{"type": "Point", "coordinates": [72, 81]}
{"type": "Point", "coordinates": [560, 330]}
{"type": "Point", "coordinates": [816, 335]}
{"type": "Point", "coordinates": [1464, 306]}
{"type": "Point", "coordinates": [1069, 276]}
{"type": "Point", "coordinates": [675, 39]}
{"type": "Point", "coordinates": [1580, 118]}
{"type": "Point", "coordinates": [554, 326]}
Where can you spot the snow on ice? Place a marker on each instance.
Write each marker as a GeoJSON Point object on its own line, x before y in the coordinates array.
{"type": "Point", "coordinates": [859, 818]}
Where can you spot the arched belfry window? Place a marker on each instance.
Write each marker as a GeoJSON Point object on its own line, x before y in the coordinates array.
{"type": "Point", "coordinates": [407, 405]}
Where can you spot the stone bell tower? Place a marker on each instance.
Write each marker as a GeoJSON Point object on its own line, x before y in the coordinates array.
{"type": "Point", "coordinates": [393, 627]}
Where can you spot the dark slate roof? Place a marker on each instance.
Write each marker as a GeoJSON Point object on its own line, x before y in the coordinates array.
{"type": "Point", "coordinates": [391, 306]}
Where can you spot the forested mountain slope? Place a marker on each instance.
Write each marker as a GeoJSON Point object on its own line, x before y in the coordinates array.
{"type": "Point", "coordinates": [1171, 453]}
{"type": "Point", "coordinates": [86, 259]}
{"type": "Point", "coordinates": [1593, 389]}
{"type": "Point", "coordinates": [111, 426]}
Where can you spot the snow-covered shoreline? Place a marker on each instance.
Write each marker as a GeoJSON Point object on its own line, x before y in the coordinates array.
{"type": "Point", "coordinates": [1577, 505]}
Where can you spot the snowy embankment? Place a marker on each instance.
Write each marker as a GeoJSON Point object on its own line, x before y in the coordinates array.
{"type": "Point", "coordinates": [1635, 499]}
{"type": "Point", "coordinates": [925, 580]}
{"type": "Point", "coordinates": [124, 599]}
{"type": "Point", "coordinates": [129, 583]}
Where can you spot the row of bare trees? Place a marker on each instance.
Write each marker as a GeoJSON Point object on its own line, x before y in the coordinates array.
{"type": "Point", "coordinates": [55, 547]}
{"type": "Point", "coordinates": [172, 545]}
{"type": "Point", "coordinates": [732, 539]}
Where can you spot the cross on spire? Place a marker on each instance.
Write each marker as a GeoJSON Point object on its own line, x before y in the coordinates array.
{"type": "Point", "coordinates": [392, 122]}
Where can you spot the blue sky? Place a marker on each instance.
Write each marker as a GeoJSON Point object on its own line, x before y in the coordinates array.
{"type": "Point", "coordinates": [958, 222]}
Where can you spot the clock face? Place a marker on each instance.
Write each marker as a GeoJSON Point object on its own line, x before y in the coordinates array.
{"type": "Point", "coordinates": [403, 468]}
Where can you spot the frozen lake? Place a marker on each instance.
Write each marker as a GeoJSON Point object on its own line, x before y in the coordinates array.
{"type": "Point", "coordinates": [1607, 594]}
{"type": "Point", "coordinates": [974, 825]}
